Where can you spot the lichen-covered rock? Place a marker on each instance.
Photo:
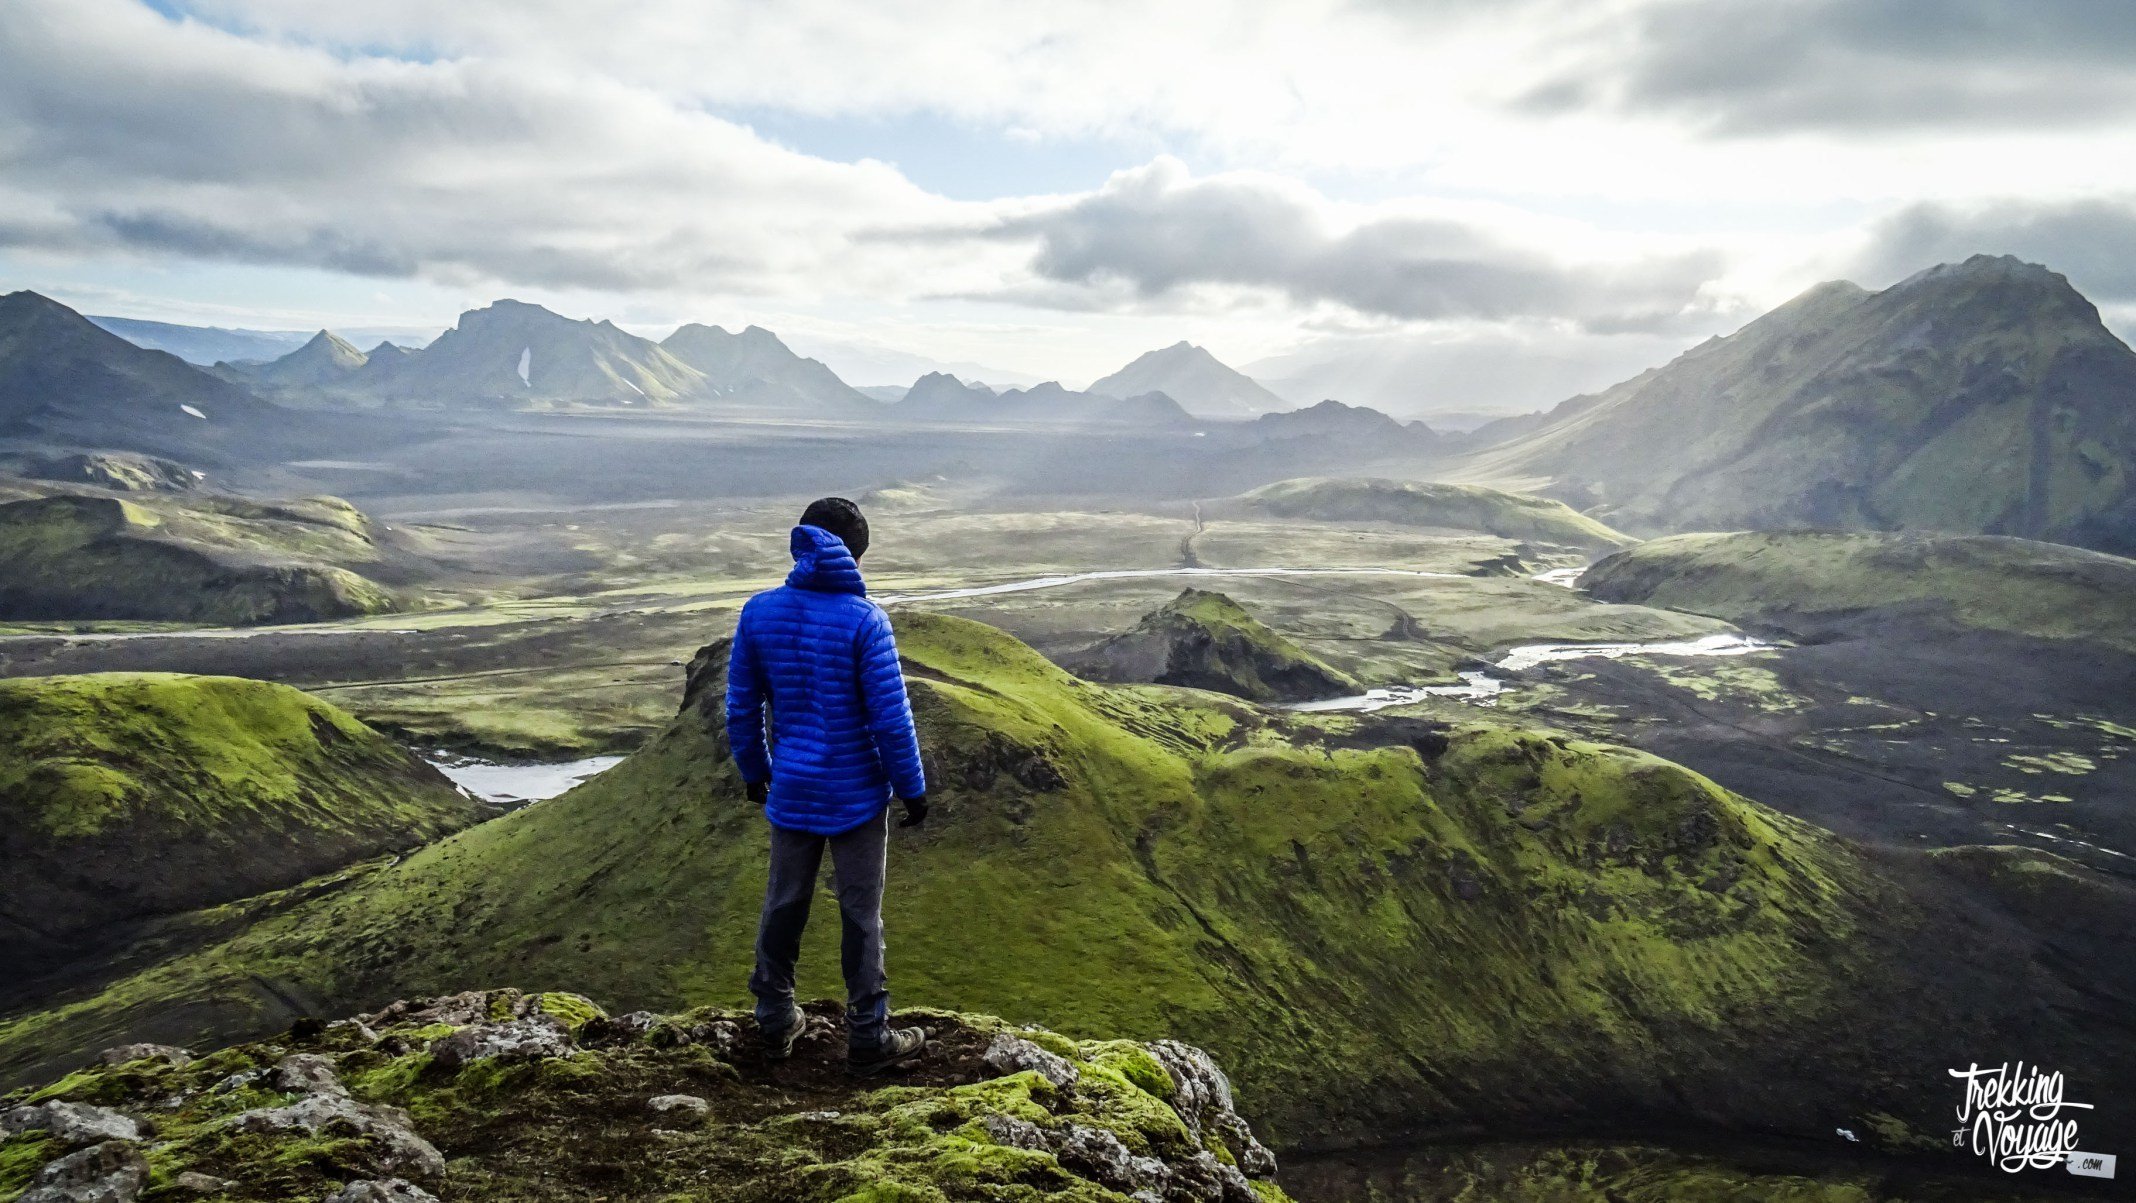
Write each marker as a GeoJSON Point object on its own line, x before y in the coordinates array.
{"type": "Point", "coordinates": [382, 1190]}
{"type": "Point", "coordinates": [307, 1073]}
{"type": "Point", "coordinates": [71, 1124]}
{"type": "Point", "coordinates": [516, 1040]}
{"type": "Point", "coordinates": [387, 1133]}
{"type": "Point", "coordinates": [121, 1054]}
{"type": "Point", "coordinates": [112, 1172]}
{"type": "Point", "coordinates": [1202, 1096]}
{"type": "Point", "coordinates": [1011, 1054]}
{"type": "Point", "coordinates": [687, 1104]}
{"type": "Point", "coordinates": [987, 1112]}
{"type": "Point", "coordinates": [1101, 1154]}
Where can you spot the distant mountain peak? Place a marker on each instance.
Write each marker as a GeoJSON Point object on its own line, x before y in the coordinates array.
{"type": "Point", "coordinates": [1198, 380]}
{"type": "Point", "coordinates": [1971, 397]}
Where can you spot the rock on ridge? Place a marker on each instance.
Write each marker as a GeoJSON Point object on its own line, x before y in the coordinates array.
{"type": "Point", "coordinates": [470, 1096]}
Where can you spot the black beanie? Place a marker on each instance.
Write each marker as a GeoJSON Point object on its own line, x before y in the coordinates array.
{"type": "Point", "coordinates": [840, 517]}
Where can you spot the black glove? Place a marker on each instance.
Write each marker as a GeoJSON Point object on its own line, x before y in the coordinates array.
{"type": "Point", "coordinates": [915, 811]}
{"type": "Point", "coordinates": [758, 791]}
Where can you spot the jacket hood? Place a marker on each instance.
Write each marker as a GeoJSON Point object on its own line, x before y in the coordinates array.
{"type": "Point", "coordinates": [822, 564]}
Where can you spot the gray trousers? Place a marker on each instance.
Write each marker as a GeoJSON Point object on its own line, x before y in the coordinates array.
{"type": "Point", "coordinates": [858, 859]}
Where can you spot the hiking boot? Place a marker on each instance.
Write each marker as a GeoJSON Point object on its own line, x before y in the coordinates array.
{"type": "Point", "coordinates": [897, 1046]}
{"type": "Point", "coordinates": [779, 1042]}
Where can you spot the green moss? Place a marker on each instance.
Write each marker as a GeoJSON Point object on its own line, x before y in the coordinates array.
{"type": "Point", "coordinates": [575, 1127]}
{"type": "Point", "coordinates": [21, 1156]}
{"type": "Point", "coordinates": [1143, 862]}
{"type": "Point", "coordinates": [188, 558]}
{"type": "Point", "coordinates": [149, 793]}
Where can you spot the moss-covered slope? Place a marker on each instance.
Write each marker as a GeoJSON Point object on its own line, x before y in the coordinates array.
{"type": "Point", "coordinates": [1204, 640]}
{"type": "Point", "coordinates": [1376, 924]}
{"type": "Point", "coordinates": [127, 795]}
{"type": "Point", "coordinates": [1431, 504]}
{"type": "Point", "coordinates": [1805, 580]}
{"type": "Point", "coordinates": [181, 558]}
{"type": "Point", "coordinates": [499, 1095]}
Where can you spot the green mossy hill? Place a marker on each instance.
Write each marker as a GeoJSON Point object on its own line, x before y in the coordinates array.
{"type": "Point", "coordinates": [127, 795]}
{"type": "Point", "coordinates": [1980, 397]}
{"type": "Point", "coordinates": [1431, 504]}
{"type": "Point", "coordinates": [1374, 922]}
{"type": "Point", "coordinates": [114, 470]}
{"type": "Point", "coordinates": [1204, 640]}
{"type": "Point", "coordinates": [538, 1098]}
{"type": "Point", "coordinates": [1627, 1173]}
{"type": "Point", "coordinates": [190, 558]}
{"type": "Point", "coordinates": [1803, 581]}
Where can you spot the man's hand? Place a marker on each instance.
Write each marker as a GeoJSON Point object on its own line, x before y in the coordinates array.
{"type": "Point", "coordinates": [915, 811]}
{"type": "Point", "coordinates": [758, 791]}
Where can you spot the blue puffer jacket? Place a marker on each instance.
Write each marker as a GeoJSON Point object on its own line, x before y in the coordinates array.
{"type": "Point", "coordinates": [822, 655]}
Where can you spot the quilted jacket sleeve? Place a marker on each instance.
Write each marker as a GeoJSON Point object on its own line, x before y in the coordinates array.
{"type": "Point", "coordinates": [745, 707]}
{"type": "Point", "coordinates": [882, 685]}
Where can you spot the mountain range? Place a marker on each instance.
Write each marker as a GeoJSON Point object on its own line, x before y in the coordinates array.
{"type": "Point", "coordinates": [939, 397]}
{"type": "Point", "coordinates": [205, 346]}
{"type": "Point", "coordinates": [1983, 397]}
{"type": "Point", "coordinates": [1196, 379]}
{"type": "Point", "coordinates": [756, 370]}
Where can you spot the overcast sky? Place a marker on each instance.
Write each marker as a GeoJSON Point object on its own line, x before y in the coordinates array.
{"type": "Point", "coordinates": [1488, 204]}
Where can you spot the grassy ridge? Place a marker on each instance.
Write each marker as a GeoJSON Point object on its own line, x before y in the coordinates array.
{"type": "Point", "coordinates": [124, 795]}
{"type": "Point", "coordinates": [1801, 577]}
{"type": "Point", "coordinates": [1369, 921]}
{"type": "Point", "coordinates": [1429, 503]}
{"type": "Point", "coordinates": [179, 558]}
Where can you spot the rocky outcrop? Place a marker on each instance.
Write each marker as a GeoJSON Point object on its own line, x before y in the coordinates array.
{"type": "Point", "coordinates": [1204, 640]}
{"type": "Point", "coordinates": [495, 1094]}
{"type": "Point", "coordinates": [112, 1172]}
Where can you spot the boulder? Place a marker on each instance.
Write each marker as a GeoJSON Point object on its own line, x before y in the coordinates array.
{"type": "Point", "coordinates": [112, 1172]}
{"type": "Point", "coordinates": [1010, 1054]}
{"type": "Point", "coordinates": [193, 1182]}
{"type": "Point", "coordinates": [515, 1040]}
{"type": "Point", "coordinates": [1202, 1096]}
{"type": "Point", "coordinates": [689, 1104]}
{"type": "Point", "coordinates": [382, 1190]}
{"type": "Point", "coordinates": [307, 1073]}
{"type": "Point", "coordinates": [71, 1123]}
{"type": "Point", "coordinates": [394, 1146]}
{"type": "Point", "coordinates": [123, 1053]}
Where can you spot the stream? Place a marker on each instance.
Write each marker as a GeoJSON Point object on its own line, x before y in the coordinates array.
{"type": "Point", "coordinates": [1482, 689]}
{"type": "Point", "coordinates": [1128, 574]}
{"type": "Point", "coordinates": [515, 784]}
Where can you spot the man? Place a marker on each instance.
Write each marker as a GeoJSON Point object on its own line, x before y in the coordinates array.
{"type": "Point", "coordinates": [842, 742]}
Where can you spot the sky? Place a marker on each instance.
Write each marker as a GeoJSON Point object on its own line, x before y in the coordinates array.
{"type": "Point", "coordinates": [1425, 204]}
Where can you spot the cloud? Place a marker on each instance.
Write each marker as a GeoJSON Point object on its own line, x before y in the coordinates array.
{"type": "Point", "coordinates": [1768, 66]}
{"type": "Point", "coordinates": [120, 130]}
{"type": "Point", "coordinates": [2091, 241]}
{"type": "Point", "coordinates": [1157, 231]}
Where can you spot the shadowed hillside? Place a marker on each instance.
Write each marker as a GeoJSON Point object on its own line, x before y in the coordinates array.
{"type": "Point", "coordinates": [129, 795]}
{"type": "Point", "coordinates": [1204, 640]}
{"type": "Point", "coordinates": [1981, 397]}
{"type": "Point", "coordinates": [192, 558]}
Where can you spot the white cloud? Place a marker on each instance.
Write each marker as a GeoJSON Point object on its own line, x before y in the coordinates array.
{"type": "Point", "coordinates": [1157, 231]}
{"type": "Point", "coordinates": [121, 130]}
{"type": "Point", "coordinates": [1437, 169]}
